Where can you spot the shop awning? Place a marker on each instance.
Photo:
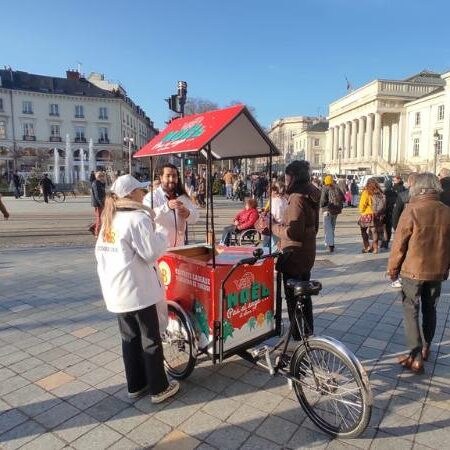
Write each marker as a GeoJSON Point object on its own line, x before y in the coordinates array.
{"type": "Point", "coordinates": [231, 133]}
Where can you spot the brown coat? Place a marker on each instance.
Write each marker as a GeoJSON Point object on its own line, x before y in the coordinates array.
{"type": "Point", "coordinates": [301, 223]}
{"type": "Point", "coordinates": [421, 247]}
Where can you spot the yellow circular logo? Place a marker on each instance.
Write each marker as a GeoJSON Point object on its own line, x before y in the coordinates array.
{"type": "Point", "coordinates": [166, 274]}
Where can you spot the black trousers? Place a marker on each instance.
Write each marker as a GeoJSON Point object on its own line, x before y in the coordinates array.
{"type": "Point", "coordinates": [291, 303]}
{"type": "Point", "coordinates": [46, 194]}
{"type": "Point", "coordinates": [417, 293]}
{"type": "Point", "coordinates": [142, 350]}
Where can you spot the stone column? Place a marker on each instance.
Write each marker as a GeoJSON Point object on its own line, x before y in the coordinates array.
{"type": "Point", "coordinates": [336, 142]}
{"type": "Point", "coordinates": [347, 140]}
{"type": "Point", "coordinates": [330, 143]}
{"type": "Point", "coordinates": [394, 143]}
{"type": "Point", "coordinates": [354, 135]}
{"type": "Point", "coordinates": [377, 136]}
{"type": "Point", "coordinates": [341, 137]}
{"type": "Point", "coordinates": [367, 151]}
{"type": "Point", "coordinates": [401, 150]}
{"type": "Point", "coordinates": [361, 137]}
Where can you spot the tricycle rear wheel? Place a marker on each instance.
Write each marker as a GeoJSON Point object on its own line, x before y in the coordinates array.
{"type": "Point", "coordinates": [180, 351]}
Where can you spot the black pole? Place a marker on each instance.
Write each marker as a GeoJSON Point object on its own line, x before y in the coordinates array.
{"type": "Point", "coordinates": [210, 194]}
{"type": "Point", "coordinates": [270, 201]}
{"type": "Point", "coordinates": [152, 181]}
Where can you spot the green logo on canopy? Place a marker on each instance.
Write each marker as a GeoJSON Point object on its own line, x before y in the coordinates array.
{"type": "Point", "coordinates": [187, 133]}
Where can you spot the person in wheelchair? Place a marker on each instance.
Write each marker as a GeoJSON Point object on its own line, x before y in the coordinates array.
{"type": "Point", "coordinates": [244, 220]}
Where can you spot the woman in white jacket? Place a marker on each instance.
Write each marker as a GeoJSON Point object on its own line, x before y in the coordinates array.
{"type": "Point", "coordinates": [127, 249]}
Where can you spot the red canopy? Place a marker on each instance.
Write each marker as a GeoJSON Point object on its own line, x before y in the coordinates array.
{"type": "Point", "coordinates": [231, 132]}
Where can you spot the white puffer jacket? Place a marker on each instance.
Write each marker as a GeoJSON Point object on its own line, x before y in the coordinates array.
{"type": "Point", "coordinates": [126, 262]}
{"type": "Point", "coordinates": [167, 219]}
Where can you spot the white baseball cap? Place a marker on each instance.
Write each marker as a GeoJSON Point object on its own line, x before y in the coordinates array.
{"type": "Point", "coordinates": [126, 184]}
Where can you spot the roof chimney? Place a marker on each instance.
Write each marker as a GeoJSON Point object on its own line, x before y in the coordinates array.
{"type": "Point", "coordinates": [73, 74]}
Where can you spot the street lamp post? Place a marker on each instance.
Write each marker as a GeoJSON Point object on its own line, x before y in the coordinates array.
{"type": "Point", "coordinates": [339, 159]}
{"type": "Point", "coordinates": [436, 136]}
{"type": "Point", "coordinates": [130, 141]}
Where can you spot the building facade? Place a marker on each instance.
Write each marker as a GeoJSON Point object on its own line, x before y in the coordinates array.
{"type": "Point", "coordinates": [40, 115]}
{"type": "Point", "coordinates": [368, 127]}
{"type": "Point", "coordinates": [311, 144]}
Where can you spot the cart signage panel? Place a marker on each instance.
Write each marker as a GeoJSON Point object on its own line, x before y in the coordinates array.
{"type": "Point", "coordinates": [191, 133]}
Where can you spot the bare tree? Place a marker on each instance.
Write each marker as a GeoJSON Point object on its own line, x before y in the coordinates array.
{"type": "Point", "coordinates": [195, 105]}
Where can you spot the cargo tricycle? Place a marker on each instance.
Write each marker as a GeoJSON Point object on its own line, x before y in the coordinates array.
{"type": "Point", "coordinates": [227, 301]}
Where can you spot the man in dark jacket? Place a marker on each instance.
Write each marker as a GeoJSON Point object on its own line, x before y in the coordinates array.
{"type": "Point", "coordinates": [47, 187]}
{"type": "Point", "coordinates": [17, 181]}
{"type": "Point", "coordinates": [444, 178]}
{"type": "Point", "coordinates": [98, 194]}
{"type": "Point", "coordinates": [402, 200]}
{"type": "Point", "coordinates": [298, 236]}
{"type": "Point", "coordinates": [391, 198]}
{"type": "Point", "coordinates": [421, 256]}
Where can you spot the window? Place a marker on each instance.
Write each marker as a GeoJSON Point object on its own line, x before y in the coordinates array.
{"type": "Point", "coordinates": [316, 158]}
{"type": "Point", "coordinates": [27, 108]}
{"type": "Point", "coordinates": [103, 113]}
{"type": "Point", "coordinates": [416, 147]}
{"type": "Point", "coordinates": [316, 142]}
{"type": "Point", "coordinates": [54, 109]}
{"type": "Point", "coordinates": [103, 135]}
{"type": "Point", "coordinates": [438, 143]}
{"type": "Point", "coordinates": [79, 111]}
{"type": "Point", "coordinates": [28, 129]}
{"type": "Point", "coordinates": [1, 104]}
{"type": "Point", "coordinates": [440, 114]}
{"type": "Point", "coordinates": [54, 131]}
{"type": "Point", "coordinates": [2, 129]}
{"type": "Point", "coordinates": [417, 119]}
{"type": "Point", "coordinates": [79, 134]}
{"type": "Point", "coordinates": [128, 119]}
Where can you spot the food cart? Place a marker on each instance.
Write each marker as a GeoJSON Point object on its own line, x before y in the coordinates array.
{"type": "Point", "coordinates": [226, 301]}
{"type": "Point", "coordinates": [216, 310]}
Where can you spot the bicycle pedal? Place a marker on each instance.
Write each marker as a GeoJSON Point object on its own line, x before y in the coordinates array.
{"type": "Point", "coordinates": [259, 353]}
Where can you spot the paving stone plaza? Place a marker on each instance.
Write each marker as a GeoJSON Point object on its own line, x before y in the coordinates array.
{"type": "Point", "coordinates": [62, 382]}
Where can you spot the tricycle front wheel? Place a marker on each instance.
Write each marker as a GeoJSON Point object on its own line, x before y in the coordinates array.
{"type": "Point", "coordinates": [179, 344]}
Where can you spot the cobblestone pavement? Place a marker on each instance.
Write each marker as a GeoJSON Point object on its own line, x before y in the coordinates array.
{"type": "Point", "coordinates": [62, 381]}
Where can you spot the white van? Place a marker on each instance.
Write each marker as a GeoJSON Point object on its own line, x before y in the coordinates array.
{"type": "Point", "coordinates": [380, 179]}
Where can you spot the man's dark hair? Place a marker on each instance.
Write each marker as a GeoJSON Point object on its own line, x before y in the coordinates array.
{"type": "Point", "coordinates": [179, 189]}
{"type": "Point", "coordinates": [299, 173]}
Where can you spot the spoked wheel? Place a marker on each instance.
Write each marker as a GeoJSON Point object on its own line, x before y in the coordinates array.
{"type": "Point", "coordinates": [332, 387]}
{"type": "Point", "coordinates": [179, 345]}
{"type": "Point", "coordinates": [38, 197]}
{"type": "Point", "coordinates": [249, 238]}
{"type": "Point", "coordinates": [59, 197]}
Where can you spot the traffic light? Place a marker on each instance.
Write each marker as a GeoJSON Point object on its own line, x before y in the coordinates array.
{"type": "Point", "coordinates": [174, 103]}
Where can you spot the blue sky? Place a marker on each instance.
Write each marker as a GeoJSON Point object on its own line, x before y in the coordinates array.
{"type": "Point", "coordinates": [285, 57]}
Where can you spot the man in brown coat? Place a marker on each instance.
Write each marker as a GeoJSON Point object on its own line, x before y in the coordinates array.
{"type": "Point", "coordinates": [421, 256]}
{"type": "Point", "coordinates": [298, 235]}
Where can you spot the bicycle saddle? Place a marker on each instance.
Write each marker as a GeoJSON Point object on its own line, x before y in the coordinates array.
{"type": "Point", "coordinates": [302, 288]}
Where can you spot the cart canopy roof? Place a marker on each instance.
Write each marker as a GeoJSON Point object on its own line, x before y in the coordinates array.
{"type": "Point", "coordinates": [231, 132]}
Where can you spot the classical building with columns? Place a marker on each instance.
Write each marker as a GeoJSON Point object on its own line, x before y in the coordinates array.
{"type": "Point", "coordinates": [367, 128]}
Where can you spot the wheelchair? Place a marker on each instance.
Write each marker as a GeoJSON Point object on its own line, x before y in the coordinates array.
{"type": "Point", "coordinates": [248, 238]}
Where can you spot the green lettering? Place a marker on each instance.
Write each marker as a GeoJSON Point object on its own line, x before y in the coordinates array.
{"type": "Point", "coordinates": [232, 300]}
{"type": "Point", "coordinates": [255, 291]}
{"type": "Point", "coordinates": [265, 292]}
{"type": "Point", "coordinates": [245, 296]}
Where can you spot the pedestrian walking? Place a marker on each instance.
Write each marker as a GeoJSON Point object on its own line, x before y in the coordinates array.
{"type": "Point", "coordinates": [47, 187]}
{"type": "Point", "coordinates": [259, 188]}
{"type": "Point", "coordinates": [331, 201]}
{"type": "Point", "coordinates": [228, 179]}
{"type": "Point", "coordinates": [92, 177]}
{"type": "Point", "coordinates": [127, 250]}
{"type": "Point", "coordinates": [391, 197]}
{"type": "Point", "coordinates": [444, 178]}
{"type": "Point", "coordinates": [298, 237]}
{"type": "Point", "coordinates": [17, 181]}
{"type": "Point", "coordinates": [98, 193]}
{"type": "Point", "coordinates": [355, 193]}
{"type": "Point", "coordinates": [372, 208]}
{"type": "Point", "coordinates": [201, 191]}
{"type": "Point", "coordinates": [421, 255]}
{"type": "Point", "coordinates": [402, 200]}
